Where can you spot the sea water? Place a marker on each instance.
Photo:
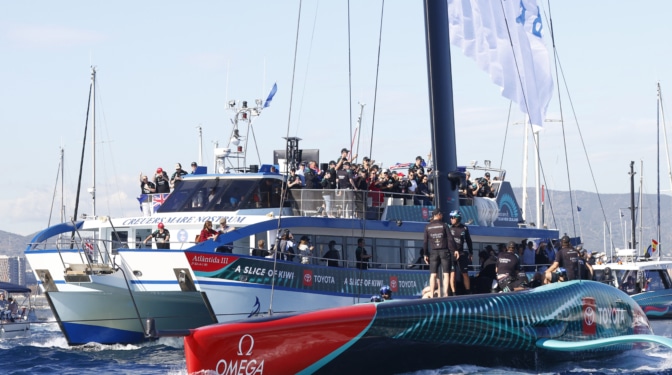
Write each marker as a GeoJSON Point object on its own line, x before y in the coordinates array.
{"type": "Point", "coordinates": [44, 351]}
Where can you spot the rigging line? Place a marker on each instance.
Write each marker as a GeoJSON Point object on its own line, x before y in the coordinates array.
{"type": "Point", "coordinates": [562, 126]}
{"type": "Point", "coordinates": [506, 132]}
{"type": "Point", "coordinates": [667, 153]}
{"type": "Point", "coordinates": [375, 91]}
{"type": "Point", "coordinates": [573, 111]}
{"type": "Point", "coordinates": [53, 198]}
{"type": "Point", "coordinates": [349, 78]}
{"type": "Point", "coordinates": [256, 145]}
{"type": "Point", "coordinates": [81, 160]}
{"type": "Point", "coordinates": [100, 109]}
{"type": "Point", "coordinates": [283, 191]}
{"type": "Point", "coordinates": [305, 82]}
{"type": "Point", "coordinates": [662, 115]}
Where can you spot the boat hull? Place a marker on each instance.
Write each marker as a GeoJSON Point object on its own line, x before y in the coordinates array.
{"type": "Point", "coordinates": [14, 329]}
{"type": "Point", "coordinates": [656, 304]}
{"type": "Point", "coordinates": [111, 315]}
{"type": "Point", "coordinates": [242, 286]}
{"type": "Point", "coordinates": [400, 336]}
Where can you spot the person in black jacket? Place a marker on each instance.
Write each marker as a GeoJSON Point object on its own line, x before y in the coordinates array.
{"type": "Point", "coordinates": [438, 247]}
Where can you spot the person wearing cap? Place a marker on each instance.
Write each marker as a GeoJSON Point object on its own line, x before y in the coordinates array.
{"type": "Point", "coordinates": [585, 267]}
{"type": "Point", "coordinates": [176, 178]}
{"type": "Point", "coordinates": [305, 249]}
{"type": "Point", "coordinates": [507, 269]}
{"type": "Point", "coordinates": [224, 228]}
{"type": "Point", "coordinates": [161, 181]}
{"type": "Point", "coordinates": [346, 184]}
{"type": "Point", "coordinates": [146, 186]}
{"type": "Point", "coordinates": [438, 247]}
{"type": "Point", "coordinates": [462, 256]}
{"type": "Point", "coordinates": [161, 236]}
{"type": "Point", "coordinates": [344, 158]}
{"type": "Point", "coordinates": [194, 166]}
{"type": "Point", "coordinates": [568, 258]}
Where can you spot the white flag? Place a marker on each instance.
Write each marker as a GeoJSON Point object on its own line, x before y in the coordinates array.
{"type": "Point", "coordinates": [479, 27]}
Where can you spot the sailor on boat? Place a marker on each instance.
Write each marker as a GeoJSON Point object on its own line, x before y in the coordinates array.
{"type": "Point", "coordinates": [440, 246]}
{"type": "Point", "coordinates": [508, 267]}
{"type": "Point", "coordinates": [567, 257]}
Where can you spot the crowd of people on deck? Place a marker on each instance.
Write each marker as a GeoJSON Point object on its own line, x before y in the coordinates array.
{"type": "Point", "coordinates": [345, 185]}
{"type": "Point", "coordinates": [161, 183]}
{"type": "Point", "coordinates": [507, 268]}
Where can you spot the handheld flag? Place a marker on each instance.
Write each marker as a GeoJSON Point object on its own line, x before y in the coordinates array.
{"type": "Point", "coordinates": [505, 40]}
{"type": "Point", "coordinates": [271, 95]}
{"type": "Point", "coordinates": [650, 251]}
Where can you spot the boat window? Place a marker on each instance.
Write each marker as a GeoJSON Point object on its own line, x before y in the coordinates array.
{"type": "Point", "coordinates": [218, 195]}
{"type": "Point", "coordinates": [654, 280]}
{"type": "Point", "coordinates": [119, 239]}
{"type": "Point", "coordinates": [388, 255]}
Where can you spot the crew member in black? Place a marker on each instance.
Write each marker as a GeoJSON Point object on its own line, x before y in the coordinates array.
{"type": "Point", "coordinates": [362, 257]}
{"type": "Point", "coordinates": [488, 272]}
{"type": "Point", "coordinates": [345, 184]}
{"type": "Point", "coordinates": [161, 181]}
{"type": "Point", "coordinates": [462, 259]}
{"type": "Point", "coordinates": [508, 266]}
{"type": "Point", "coordinates": [161, 236]}
{"type": "Point", "coordinates": [332, 256]}
{"type": "Point", "coordinates": [440, 245]}
{"type": "Point", "coordinates": [566, 257]}
{"type": "Point", "coordinates": [176, 178]}
{"type": "Point", "coordinates": [146, 186]}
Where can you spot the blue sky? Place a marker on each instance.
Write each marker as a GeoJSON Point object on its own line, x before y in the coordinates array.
{"type": "Point", "coordinates": [166, 67]}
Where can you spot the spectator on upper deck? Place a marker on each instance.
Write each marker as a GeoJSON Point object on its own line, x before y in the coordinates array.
{"type": "Point", "coordinates": [194, 166]}
{"type": "Point", "coordinates": [300, 171]}
{"type": "Point", "coordinates": [293, 181]}
{"type": "Point", "coordinates": [483, 189]}
{"type": "Point", "coordinates": [344, 158]}
{"type": "Point", "coordinates": [422, 193]}
{"type": "Point", "coordinates": [419, 164]}
{"type": "Point", "coordinates": [176, 178]}
{"type": "Point", "coordinates": [146, 186]}
{"type": "Point", "coordinates": [161, 181]}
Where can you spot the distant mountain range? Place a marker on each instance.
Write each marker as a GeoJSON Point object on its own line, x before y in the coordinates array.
{"type": "Point", "coordinates": [13, 244]}
{"type": "Point", "coordinates": [588, 223]}
{"type": "Point", "coordinates": [610, 208]}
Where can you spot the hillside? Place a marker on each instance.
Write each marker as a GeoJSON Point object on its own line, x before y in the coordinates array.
{"type": "Point", "coordinates": [588, 223]}
{"type": "Point", "coordinates": [13, 244]}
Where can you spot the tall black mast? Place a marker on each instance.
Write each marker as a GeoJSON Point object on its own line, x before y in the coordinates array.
{"type": "Point", "coordinates": [442, 119]}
